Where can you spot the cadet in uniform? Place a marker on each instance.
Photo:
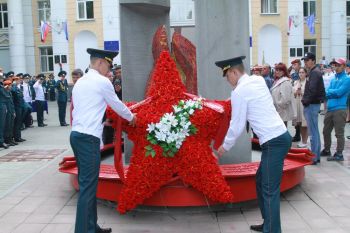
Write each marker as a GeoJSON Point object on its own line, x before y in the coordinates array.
{"type": "Point", "coordinates": [27, 96]}
{"type": "Point", "coordinates": [40, 100]}
{"type": "Point", "coordinates": [18, 102]}
{"type": "Point", "coordinates": [62, 97]}
{"type": "Point", "coordinates": [91, 94]}
{"type": "Point", "coordinates": [10, 115]}
{"type": "Point", "coordinates": [51, 85]}
{"type": "Point", "coordinates": [4, 98]}
{"type": "Point", "coordinates": [275, 141]}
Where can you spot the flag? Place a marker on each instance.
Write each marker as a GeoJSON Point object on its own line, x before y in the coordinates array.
{"type": "Point", "coordinates": [44, 30]}
{"type": "Point", "coordinates": [310, 21]}
{"type": "Point", "coordinates": [65, 28]}
{"type": "Point", "coordinates": [290, 21]}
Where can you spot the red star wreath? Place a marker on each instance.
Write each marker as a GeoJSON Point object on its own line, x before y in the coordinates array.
{"type": "Point", "coordinates": [193, 162]}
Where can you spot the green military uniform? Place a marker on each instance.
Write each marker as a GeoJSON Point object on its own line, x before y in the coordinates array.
{"type": "Point", "coordinates": [62, 97]}
{"type": "Point", "coordinates": [51, 89]}
{"type": "Point", "coordinates": [4, 98]}
{"type": "Point", "coordinates": [19, 105]}
{"type": "Point", "coordinates": [32, 91]}
{"type": "Point", "coordinates": [10, 118]}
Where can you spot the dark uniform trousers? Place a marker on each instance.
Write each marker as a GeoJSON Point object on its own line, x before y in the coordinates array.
{"type": "Point", "coordinates": [3, 111]}
{"type": "Point", "coordinates": [18, 123]}
{"type": "Point", "coordinates": [9, 123]}
{"type": "Point", "coordinates": [40, 111]}
{"type": "Point", "coordinates": [86, 150]}
{"type": "Point", "coordinates": [268, 180]}
{"type": "Point", "coordinates": [62, 106]}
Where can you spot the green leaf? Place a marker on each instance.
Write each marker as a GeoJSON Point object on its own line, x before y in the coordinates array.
{"type": "Point", "coordinates": [148, 153]}
{"type": "Point", "coordinates": [149, 147]}
{"type": "Point", "coordinates": [153, 141]}
{"type": "Point", "coordinates": [153, 153]}
{"type": "Point", "coordinates": [171, 154]}
{"type": "Point", "coordinates": [173, 149]}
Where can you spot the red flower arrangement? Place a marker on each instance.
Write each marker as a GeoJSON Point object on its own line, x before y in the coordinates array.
{"type": "Point", "coordinates": [194, 162]}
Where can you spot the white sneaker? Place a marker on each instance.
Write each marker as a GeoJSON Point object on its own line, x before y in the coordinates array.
{"type": "Point", "coordinates": [302, 145]}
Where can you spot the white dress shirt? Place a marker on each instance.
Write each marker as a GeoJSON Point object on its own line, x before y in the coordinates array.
{"type": "Point", "coordinates": [39, 91]}
{"type": "Point", "coordinates": [91, 94]}
{"type": "Point", "coordinates": [27, 93]}
{"type": "Point", "coordinates": [251, 101]}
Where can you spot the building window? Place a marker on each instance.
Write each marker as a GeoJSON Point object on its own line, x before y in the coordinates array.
{"type": "Point", "coordinates": [292, 52]}
{"type": "Point", "coordinates": [44, 11]}
{"type": "Point", "coordinates": [310, 46]}
{"type": "Point", "coordinates": [268, 6]}
{"type": "Point", "coordinates": [85, 9]}
{"type": "Point", "coordinates": [299, 52]}
{"type": "Point", "coordinates": [46, 59]}
{"type": "Point", "coordinates": [309, 8]}
{"type": "Point", "coordinates": [296, 52]}
{"type": "Point", "coordinates": [3, 16]}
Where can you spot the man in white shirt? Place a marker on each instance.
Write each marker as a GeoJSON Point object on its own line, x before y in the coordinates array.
{"type": "Point", "coordinates": [27, 96]}
{"type": "Point", "coordinates": [91, 94]}
{"type": "Point", "coordinates": [251, 101]}
{"type": "Point", "coordinates": [40, 99]}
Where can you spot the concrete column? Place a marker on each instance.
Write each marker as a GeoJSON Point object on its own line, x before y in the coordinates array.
{"type": "Point", "coordinates": [16, 36]}
{"type": "Point", "coordinates": [222, 32]}
{"type": "Point", "coordinates": [338, 28]}
{"type": "Point", "coordinates": [139, 20]}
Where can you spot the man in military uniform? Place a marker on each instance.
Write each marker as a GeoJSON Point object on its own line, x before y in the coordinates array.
{"type": "Point", "coordinates": [40, 99]}
{"type": "Point", "coordinates": [18, 102]}
{"type": "Point", "coordinates": [51, 83]}
{"type": "Point", "coordinates": [91, 94]}
{"type": "Point", "coordinates": [4, 98]}
{"type": "Point", "coordinates": [62, 97]}
{"type": "Point", "coordinates": [10, 115]}
{"type": "Point", "coordinates": [27, 96]}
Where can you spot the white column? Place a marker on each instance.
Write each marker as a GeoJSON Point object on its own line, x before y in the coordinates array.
{"type": "Point", "coordinates": [326, 29]}
{"type": "Point", "coordinates": [29, 36]}
{"type": "Point", "coordinates": [338, 28]}
{"type": "Point", "coordinates": [111, 23]}
{"type": "Point", "coordinates": [296, 32]}
{"type": "Point", "coordinates": [16, 36]}
{"type": "Point", "coordinates": [59, 41]}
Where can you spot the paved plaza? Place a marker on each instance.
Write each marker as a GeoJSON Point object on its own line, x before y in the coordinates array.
{"type": "Point", "coordinates": [36, 198]}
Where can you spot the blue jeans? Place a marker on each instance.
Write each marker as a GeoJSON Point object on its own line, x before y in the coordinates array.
{"type": "Point", "coordinates": [86, 150]}
{"type": "Point", "coordinates": [268, 180]}
{"type": "Point", "coordinates": [311, 117]}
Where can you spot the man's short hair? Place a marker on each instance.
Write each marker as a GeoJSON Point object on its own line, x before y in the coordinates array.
{"type": "Point", "coordinates": [239, 67]}
{"type": "Point", "coordinates": [78, 72]}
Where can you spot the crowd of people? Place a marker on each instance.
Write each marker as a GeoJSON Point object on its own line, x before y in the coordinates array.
{"type": "Point", "coordinates": [298, 93]}
{"type": "Point", "coordinates": [23, 94]}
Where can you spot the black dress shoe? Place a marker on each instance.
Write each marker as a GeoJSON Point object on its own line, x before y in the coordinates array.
{"type": "Point", "coordinates": [20, 140]}
{"type": "Point", "coordinates": [104, 230]}
{"type": "Point", "coordinates": [40, 125]}
{"type": "Point", "coordinates": [257, 227]}
{"type": "Point", "coordinates": [65, 124]}
{"type": "Point", "coordinates": [4, 145]}
{"type": "Point", "coordinates": [12, 143]}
